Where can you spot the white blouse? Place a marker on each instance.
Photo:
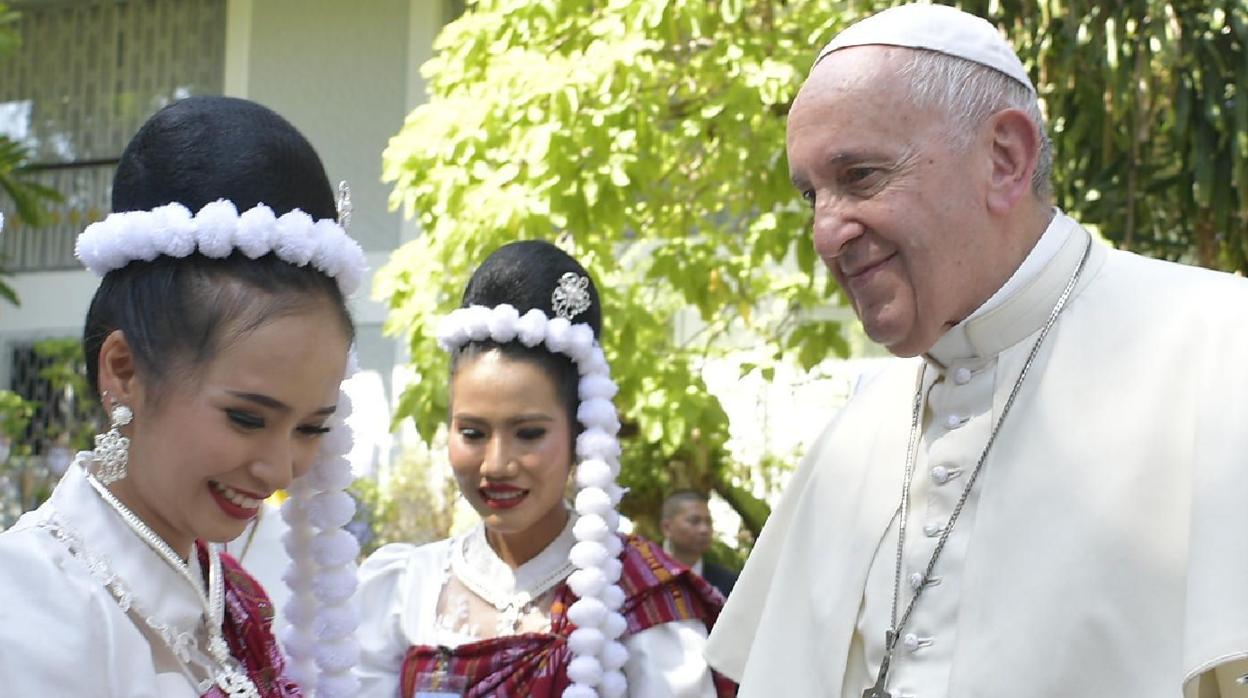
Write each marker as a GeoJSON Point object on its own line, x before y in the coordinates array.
{"type": "Point", "coordinates": [457, 591]}
{"type": "Point", "coordinates": [63, 633]}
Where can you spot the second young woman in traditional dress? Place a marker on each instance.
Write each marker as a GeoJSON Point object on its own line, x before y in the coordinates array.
{"type": "Point", "coordinates": [540, 599]}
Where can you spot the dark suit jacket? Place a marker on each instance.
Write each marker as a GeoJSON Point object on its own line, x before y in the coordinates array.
{"type": "Point", "coordinates": [721, 578]}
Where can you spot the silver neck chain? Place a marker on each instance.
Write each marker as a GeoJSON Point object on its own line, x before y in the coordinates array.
{"type": "Point", "coordinates": [903, 509]}
{"type": "Point", "coordinates": [234, 682]}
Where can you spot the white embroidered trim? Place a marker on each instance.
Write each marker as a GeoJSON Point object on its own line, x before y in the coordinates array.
{"type": "Point", "coordinates": [182, 644]}
{"type": "Point", "coordinates": [322, 572]}
{"type": "Point", "coordinates": [598, 659]}
{"type": "Point", "coordinates": [216, 231]}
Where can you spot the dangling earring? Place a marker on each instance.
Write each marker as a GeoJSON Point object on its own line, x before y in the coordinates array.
{"type": "Point", "coordinates": [111, 448]}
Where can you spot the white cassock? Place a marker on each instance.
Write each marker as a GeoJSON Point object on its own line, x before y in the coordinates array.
{"type": "Point", "coordinates": [1103, 552]}
{"type": "Point", "coordinates": [63, 634]}
{"type": "Point", "coordinates": [458, 590]}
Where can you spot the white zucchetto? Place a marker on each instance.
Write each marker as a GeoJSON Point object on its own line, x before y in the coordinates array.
{"type": "Point", "coordinates": [939, 28]}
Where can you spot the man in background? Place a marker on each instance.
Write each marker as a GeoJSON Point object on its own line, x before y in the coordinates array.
{"type": "Point", "coordinates": [687, 533]}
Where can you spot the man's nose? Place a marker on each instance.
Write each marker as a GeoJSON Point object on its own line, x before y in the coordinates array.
{"type": "Point", "coordinates": [835, 227]}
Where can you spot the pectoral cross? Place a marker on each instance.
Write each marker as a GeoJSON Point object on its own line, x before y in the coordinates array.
{"type": "Point", "coordinates": [881, 680]}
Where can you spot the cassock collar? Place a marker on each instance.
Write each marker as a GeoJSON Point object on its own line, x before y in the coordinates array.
{"type": "Point", "coordinates": [159, 592]}
{"type": "Point", "coordinates": [1022, 305]}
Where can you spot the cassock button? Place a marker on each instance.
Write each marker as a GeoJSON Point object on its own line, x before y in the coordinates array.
{"type": "Point", "coordinates": [916, 580]}
{"type": "Point", "coordinates": [913, 642]}
{"type": "Point", "coordinates": [940, 475]}
{"type": "Point", "coordinates": [931, 530]}
{"type": "Point", "coordinates": [953, 421]}
{"type": "Point", "coordinates": [962, 376]}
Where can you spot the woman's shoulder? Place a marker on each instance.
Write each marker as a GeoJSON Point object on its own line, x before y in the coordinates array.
{"type": "Point", "coordinates": [398, 558]}
{"type": "Point", "coordinates": [33, 561]}
{"type": "Point", "coordinates": [55, 607]}
{"type": "Point", "coordinates": [658, 589]}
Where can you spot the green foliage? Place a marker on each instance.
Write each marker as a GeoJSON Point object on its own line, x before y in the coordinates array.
{"type": "Point", "coordinates": [67, 375]}
{"type": "Point", "coordinates": [648, 136]}
{"type": "Point", "coordinates": [29, 197]}
{"type": "Point", "coordinates": [1148, 109]}
{"type": "Point", "coordinates": [15, 415]}
{"type": "Point", "coordinates": [412, 505]}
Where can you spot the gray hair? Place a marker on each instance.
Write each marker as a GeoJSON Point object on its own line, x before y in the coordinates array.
{"type": "Point", "coordinates": [969, 93]}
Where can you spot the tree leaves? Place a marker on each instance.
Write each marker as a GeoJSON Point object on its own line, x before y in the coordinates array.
{"type": "Point", "coordinates": [648, 137]}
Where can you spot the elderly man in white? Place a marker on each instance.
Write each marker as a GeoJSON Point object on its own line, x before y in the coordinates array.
{"type": "Point", "coordinates": [1050, 498]}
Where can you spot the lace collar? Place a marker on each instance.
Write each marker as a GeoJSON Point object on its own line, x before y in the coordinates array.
{"type": "Point", "coordinates": [116, 557]}
{"type": "Point", "coordinates": [479, 568]}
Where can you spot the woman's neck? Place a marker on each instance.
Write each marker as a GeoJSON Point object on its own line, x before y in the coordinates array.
{"type": "Point", "coordinates": [515, 549]}
{"type": "Point", "coordinates": [125, 493]}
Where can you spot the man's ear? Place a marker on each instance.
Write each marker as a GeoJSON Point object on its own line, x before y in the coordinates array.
{"type": "Point", "coordinates": [1015, 151]}
{"type": "Point", "coordinates": [116, 371]}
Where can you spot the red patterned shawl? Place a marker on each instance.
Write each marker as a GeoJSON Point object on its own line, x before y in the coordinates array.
{"type": "Point", "coordinates": [657, 590]}
{"type": "Point", "coordinates": [248, 631]}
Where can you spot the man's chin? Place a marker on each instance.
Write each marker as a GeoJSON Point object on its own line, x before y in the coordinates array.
{"type": "Point", "coordinates": [898, 342]}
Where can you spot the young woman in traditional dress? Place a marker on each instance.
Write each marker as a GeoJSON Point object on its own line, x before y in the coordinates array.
{"type": "Point", "coordinates": [217, 342]}
{"type": "Point", "coordinates": [539, 599]}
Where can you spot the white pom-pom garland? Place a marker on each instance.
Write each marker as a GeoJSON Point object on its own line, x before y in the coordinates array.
{"type": "Point", "coordinates": [335, 622]}
{"type": "Point", "coordinates": [531, 328]}
{"type": "Point", "coordinates": [337, 685]}
{"type": "Point", "coordinates": [330, 473]}
{"type": "Point", "coordinates": [585, 669]}
{"type": "Point", "coordinates": [591, 528]}
{"type": "Point", "coordinates": [558, 334]}
{"type": "Point", "coordinates": [614, 625]}
{"type": "Point", "coordinates": [586, 640]}
{"type": "Point", "coordinates": [301, 610]}
{"type": "Point", "coordinates": [595, 555]}
{"type": "Point", "coordinates": [322, 573]}
{"type": "Point", "coordinates": [613, 597]}
{"type": "Point", "coordinates": [216, 223]}
{"type": "Point", "coordinates": [331, 509]}
{"type": "Point", "coordinates": [588, 553]}
{"type": "Point", "coordinates": [614, 655]}
{"type": "Point", "coordinates": [581, 343]}
{"type": "Point", "coordinates": [613, 569]}
{"type": "Point", "coordinates": [597, 413]}
{"type": "Point", "coordinates": [256, 229]}
{"type": "Point", "coordinates": [614, 685]}
{"type": "Point", "coordinates": [588, 582]}
{"type": "Point", "coordinates": [334, 547]}
{"type": "Point", "coordinates": [597, 386]}
{"type": "Point", "coordinates": [503, 323]}
{"type": "Point", "coordinates": [216, 231]}
{"type": "Point", "coordinates": [336, 584]}
{"type": "Point", "coordinates": [593, 500]}
{"type": "Point", "coordinates": [588, 613]}
{"type": "Point", "coordinates": [596, 443]}
{"type": "Point", "coordinates": [334, 657]}
{"type": "Point", "coordinates": [594, 473]}
{"type": "Point", "coordinates": [297, 646]}
{"type": "Point", "coordinates": [303, 674]}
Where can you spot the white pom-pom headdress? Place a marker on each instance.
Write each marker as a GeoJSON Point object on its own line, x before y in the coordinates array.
{"type": "Point", "coordinates": [320, 640]}
{"type": "Point", "coordinates": [217, 230]}
{"type": "Point", "coordinates": [598, 655]}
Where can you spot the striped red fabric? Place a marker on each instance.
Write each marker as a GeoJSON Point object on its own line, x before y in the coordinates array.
{"type": "Point", "coordinates": [248, 630]}
{"type": "Point", "coordinates": [657, 590]}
